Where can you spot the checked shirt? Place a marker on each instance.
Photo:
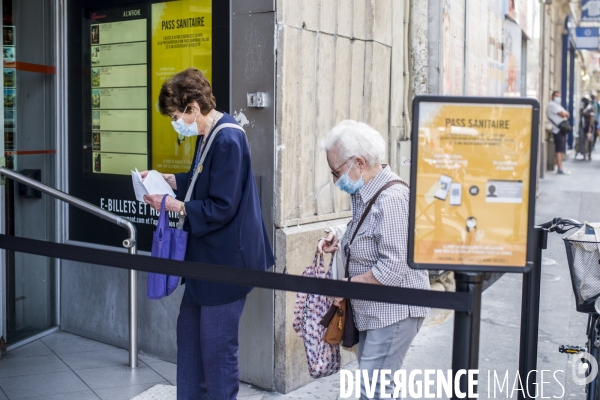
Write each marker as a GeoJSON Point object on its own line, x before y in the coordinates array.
{"type": "Point", "coordinates": [381, 246]}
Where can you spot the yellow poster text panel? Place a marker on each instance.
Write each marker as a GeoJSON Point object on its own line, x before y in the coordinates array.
{"type": "Point", "coordinates": [181, 38]}
{"type": "Point", "coordinates": [472, 185]}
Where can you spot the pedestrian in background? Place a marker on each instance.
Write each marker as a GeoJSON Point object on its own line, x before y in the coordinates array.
{"type": "Point", "coordinates": [378, 255]}
{"type": "Point", "coordinates": [596, 107]}
{"type": "Point", "coordinates": [587, 129]}
{"type": "Point", "coordinates": [557, 115]}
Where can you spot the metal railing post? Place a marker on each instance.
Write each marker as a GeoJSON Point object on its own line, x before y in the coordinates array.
{"type": "Point", "coordinates": [465, 345]}
{"type": "Point", "coordinates": [130, 244]}
{"type": "Point", "coordinates": [133, 327]}
{"type": "Point", "coordinates": [530, 319]}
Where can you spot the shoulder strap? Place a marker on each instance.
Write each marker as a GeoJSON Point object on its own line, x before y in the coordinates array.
{"type": "Point", "coordinates": [370, 205]}
{"type": "Point", "coordinates": [190, 190]}
{"type": "Point", "coordinates": [198, 170]}
{"type": "Point", "coordinates": [366, 212]}
{"type": "Point", "coordinates": [554, 123]}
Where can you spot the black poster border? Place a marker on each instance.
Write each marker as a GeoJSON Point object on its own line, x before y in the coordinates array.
{"type": "Point", "coordinates": [531, 245]}
{"type": "Point", "coordinates": [82, 183]}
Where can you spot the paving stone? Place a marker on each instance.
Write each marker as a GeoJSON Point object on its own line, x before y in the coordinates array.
{"type": "Point", "coordinates": [42, 385]}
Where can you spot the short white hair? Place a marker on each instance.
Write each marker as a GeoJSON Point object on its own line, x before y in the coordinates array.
{"type": "Point", "coordinates": [353, 139]}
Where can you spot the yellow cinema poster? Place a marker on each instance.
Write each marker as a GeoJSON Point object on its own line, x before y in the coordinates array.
{"type": "Point", "coordinates": [181, 38]}
{"type": "Point", "coordinates": [472, 183]}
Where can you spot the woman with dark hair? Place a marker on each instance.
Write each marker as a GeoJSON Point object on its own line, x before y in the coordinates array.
{"type": "Point", "coordinates": [225, 227]}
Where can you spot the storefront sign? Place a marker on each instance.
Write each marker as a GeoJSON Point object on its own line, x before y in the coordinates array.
{"type": "Point", "coordinates": [472, 183]}
{"type": "Point", "coordinates": [587, 38]}
{"type": "Point", "coordinates": [590, 10]}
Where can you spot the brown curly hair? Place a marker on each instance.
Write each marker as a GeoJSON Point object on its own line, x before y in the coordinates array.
{"type": "Point", "coordinates": [183, 88]}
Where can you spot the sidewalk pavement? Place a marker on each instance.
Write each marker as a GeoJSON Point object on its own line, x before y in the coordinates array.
{"type": "Point", "coordinates": [64, 366]}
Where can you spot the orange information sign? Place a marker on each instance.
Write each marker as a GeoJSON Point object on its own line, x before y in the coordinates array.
{"type": "Point", "coordinates": [473, 183]}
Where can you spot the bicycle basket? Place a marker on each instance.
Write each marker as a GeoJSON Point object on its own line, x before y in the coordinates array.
{"type": "Point", "coordinates": [584, 266]}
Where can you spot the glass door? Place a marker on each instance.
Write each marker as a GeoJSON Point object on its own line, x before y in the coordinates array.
{"type": "Point", "coordinates": [29, 76]}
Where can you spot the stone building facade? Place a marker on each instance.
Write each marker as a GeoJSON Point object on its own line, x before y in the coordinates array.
{"type": "Point", "coordinates": [336, 60]}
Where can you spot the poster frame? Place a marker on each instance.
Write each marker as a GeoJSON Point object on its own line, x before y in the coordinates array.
{"type": "Point", "coordinates": [83, 227]}
{"type": "Point", "coordinates": [531, 245]}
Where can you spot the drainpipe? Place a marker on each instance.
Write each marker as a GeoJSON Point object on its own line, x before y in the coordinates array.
{"type": "Point", "coordinates": [543, 95]}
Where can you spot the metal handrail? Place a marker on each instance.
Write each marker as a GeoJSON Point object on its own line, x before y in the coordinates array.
{"type": "Point", "coordinates": [130, 243]}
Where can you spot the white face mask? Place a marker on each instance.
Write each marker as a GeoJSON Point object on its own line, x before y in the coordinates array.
{"type": "Point", "coordinates": [184, 129]}
{"type": "Point", "coordinates": [557, 100]}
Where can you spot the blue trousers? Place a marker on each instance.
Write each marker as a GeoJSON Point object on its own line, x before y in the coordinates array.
{"type": "Point", "coordinates": [207, 351]}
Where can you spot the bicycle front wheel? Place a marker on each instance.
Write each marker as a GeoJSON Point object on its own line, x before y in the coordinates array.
{"type": "Point", "coordinates": [593, 388]}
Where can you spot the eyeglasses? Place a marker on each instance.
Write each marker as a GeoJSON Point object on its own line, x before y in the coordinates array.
{"type": "Point", "coordinates": [175, 118]}
{"type": "Point", "coordinates": [335, 172]}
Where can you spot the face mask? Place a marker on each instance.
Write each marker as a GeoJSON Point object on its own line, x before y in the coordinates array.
{"type": "Point", "coordinates": [557, 100]}
{"type": "Point", "coordinates": [184, 129]}
{"type": "Point", "coordinates": [347, 185]}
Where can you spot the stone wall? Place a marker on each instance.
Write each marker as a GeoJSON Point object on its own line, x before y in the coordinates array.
{"type": "Point", "coordinates": [336, 60]}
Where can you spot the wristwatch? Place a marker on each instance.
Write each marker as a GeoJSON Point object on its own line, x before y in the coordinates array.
{"type": "Point", "coordinates": [182, 210]}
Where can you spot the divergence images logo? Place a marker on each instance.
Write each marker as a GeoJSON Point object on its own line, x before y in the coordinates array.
{"type": "Point", "coordinates": [421, 383]}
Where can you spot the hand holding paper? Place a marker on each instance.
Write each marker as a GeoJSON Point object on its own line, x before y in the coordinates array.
{"type": "Point", "coordinates": [152, 184]}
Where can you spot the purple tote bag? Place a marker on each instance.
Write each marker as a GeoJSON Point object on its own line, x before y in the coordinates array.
{"type": "Point", "coordinates": [167, 243]}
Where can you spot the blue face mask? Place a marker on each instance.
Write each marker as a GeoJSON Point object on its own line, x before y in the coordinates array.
{"type": "Point", "coordinates": [184, 129]}
{"type": "Point", "coordinates": [347, 185]}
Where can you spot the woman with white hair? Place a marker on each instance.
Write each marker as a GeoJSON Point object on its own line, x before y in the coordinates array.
{"type": "Point", "coordinates": [378, 252]}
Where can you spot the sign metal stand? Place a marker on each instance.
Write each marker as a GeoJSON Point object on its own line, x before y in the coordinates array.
{"type": "Point", "coordinates": [472, 210]}
{"type": "Point", "coordinates": [530, 316]}
{"type": "Point", "coordinates": [465, 345]}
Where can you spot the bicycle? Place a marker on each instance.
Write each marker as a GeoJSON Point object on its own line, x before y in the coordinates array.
{"type": "Point", "coordinates": [584, 266]}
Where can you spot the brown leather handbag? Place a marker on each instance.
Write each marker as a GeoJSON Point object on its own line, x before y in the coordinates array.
{"type": "Point", "coordinates": [334, 322]}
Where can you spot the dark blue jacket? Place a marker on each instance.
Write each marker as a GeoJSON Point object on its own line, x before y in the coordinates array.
{"type": "Point", "coordinates": [224, 219]}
